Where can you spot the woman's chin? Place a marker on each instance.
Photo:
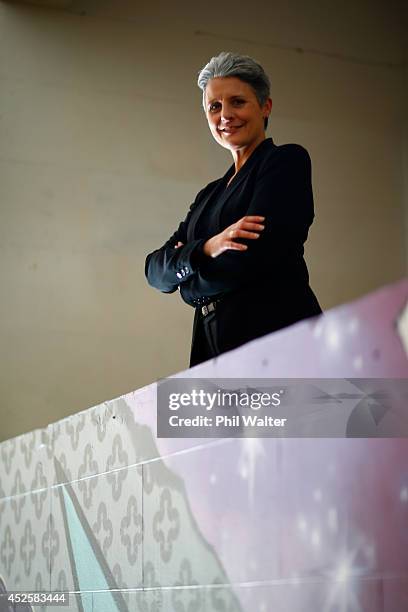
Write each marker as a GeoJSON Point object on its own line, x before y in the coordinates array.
{"type": "Point", "coordinates": [223, 142]}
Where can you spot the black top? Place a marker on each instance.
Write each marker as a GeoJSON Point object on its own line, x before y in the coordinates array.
{"type": "Point", "coordinates": [206, 226]}
{"type": "Point", "coordinates": [268, 284]}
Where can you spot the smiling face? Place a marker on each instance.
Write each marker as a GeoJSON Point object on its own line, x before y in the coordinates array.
{"type": "Point", "coordinates": [234, 115]}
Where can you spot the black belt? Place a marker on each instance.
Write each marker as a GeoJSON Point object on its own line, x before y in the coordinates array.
{"type": "Point", "coordinates": [208, 308]}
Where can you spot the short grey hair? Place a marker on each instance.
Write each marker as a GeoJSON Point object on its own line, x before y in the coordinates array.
{"type": "Point", "coordinates": [227, 64]}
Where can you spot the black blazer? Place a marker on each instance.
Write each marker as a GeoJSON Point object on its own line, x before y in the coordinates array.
{"type": "Point", "coordinates": [265, 287]}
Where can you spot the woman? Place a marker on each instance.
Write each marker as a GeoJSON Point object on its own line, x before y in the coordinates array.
{"type": "Point", "coordinates": [238, 255]}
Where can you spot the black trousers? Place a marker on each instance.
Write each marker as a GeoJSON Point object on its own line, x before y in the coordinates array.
{"type": "Point", "coordinates": [246, 315]}
{"type": "Point", "coordinates": [206, 339]}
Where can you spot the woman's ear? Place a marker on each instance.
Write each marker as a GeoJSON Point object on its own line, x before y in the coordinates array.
{"type": "Point", "coordinates": [267, 108]}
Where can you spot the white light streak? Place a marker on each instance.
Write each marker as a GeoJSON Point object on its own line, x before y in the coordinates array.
{"type": "Point", "coordinates": [251, 451]}
{"type": "Point", "coordinates": [332, 519]}
{"type": "Point", "coordinates": [302, 524]}
{"type": "Point", "coordinates": [315, 538]}
{"type": "Point", "coordinates": [343, 571]}
{"type": "Point", "coordinates": [317, 495]}
{"type": "Point", "coordinates": [358, 362]}
{"type": "Point", "coordinates": [332, 337]}
{"type": "Point", "coordinates": [353, 325]}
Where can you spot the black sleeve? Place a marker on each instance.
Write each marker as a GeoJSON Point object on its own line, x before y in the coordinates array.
{"type": "Point", "coordinates": [283, 195]}
{"type": "Point", "coordinates": [166, 268]}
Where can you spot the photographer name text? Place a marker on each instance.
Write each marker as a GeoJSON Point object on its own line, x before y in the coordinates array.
{"type": "Point", "coordinates": [237, 420]}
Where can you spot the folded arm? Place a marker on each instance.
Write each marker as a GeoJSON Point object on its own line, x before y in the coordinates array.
{"type": "Point", "coordinates": [167, 267]}
{"type": "Point", "coordinates": [283, 195]}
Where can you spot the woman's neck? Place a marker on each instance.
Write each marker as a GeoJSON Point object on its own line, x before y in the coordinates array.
{"type": "Point", "coordinates": [240, 156]}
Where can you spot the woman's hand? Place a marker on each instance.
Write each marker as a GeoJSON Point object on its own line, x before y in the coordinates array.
{"type": "Point", "coordinates": [247, 227]}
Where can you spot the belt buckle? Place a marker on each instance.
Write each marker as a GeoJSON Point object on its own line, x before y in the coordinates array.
{"type": "Point", "coordinates": [210, 307]}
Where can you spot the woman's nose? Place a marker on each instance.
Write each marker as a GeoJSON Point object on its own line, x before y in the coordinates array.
{"type": "Point", "coordinates": [226, 112]}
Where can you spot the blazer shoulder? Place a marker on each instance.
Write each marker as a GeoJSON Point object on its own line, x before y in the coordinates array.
{"type": "Point", "coordinates": [280, 156]}
{"type": "Point", "coordinates": [290, 151]}
{"type": "Point", "coordinates": [209, 187]}
{"type": "Point", "coordinates": [203, 193]}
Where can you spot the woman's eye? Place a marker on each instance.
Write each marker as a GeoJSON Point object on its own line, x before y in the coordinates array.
{"type": "Point", "coordinates": [215, 106]}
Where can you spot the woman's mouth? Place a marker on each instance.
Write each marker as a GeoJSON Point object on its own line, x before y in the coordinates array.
{"type": "Point", "coordinates": [230, 129]}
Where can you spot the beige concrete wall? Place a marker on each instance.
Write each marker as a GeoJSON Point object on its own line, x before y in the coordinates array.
{"type": "Point", "coordinates": [103, 145]}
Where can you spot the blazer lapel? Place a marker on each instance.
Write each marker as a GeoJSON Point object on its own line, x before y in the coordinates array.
{"type": "Point", "coordinates": [228, 192]}
{"type": "Point", "coordinates": [224, 196]}
{"type": "Point", "coordinates": [198, 211]}
{"type": "Point", "coordinates": [239, 179]}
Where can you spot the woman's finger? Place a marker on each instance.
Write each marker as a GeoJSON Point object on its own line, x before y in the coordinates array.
{"type": "Point", "coordinates": [246, 234]}
{"type": "Point", "coordinates": [236, 246]}
{"type": "Point", "coordinates": [253, 219]}
{"type": "Point", "coordinates": [252, 226]}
